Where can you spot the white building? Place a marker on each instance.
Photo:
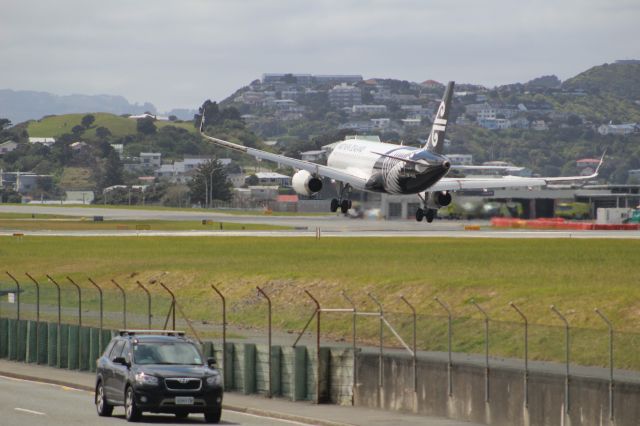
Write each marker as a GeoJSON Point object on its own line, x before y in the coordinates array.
{"type": "Point", "coordinates": [461, 159]}
{"type": "Point", "coordinates": [380, 123]}
{"type": "Point", "coordinates": [344, 95]}
{"type": "Point", "coordinates": [618, 129]}
{"type": "Point", "coordinates": [8, 146]}
{"type": "Point", "coordinates": [118, 148]}
{"type": "Point", "coordinates": [368, 109]}
{"type": "Point", "coordinates": [151, 159]}
{"type": "Point", "coordinates": [43, 141]}
{"type": "Point", "coordinates": [272, 178]}
{"type": "Point", "coordinates": [411, 122]}
{"type": "Point", "coordinates": [313, 156]}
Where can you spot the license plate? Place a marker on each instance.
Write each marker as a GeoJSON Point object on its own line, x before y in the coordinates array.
{"type": "Point", "coordinates": [184, 400]}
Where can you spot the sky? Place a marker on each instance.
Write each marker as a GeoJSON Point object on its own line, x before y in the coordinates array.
{"type": "Point", "coordinates": [176, 54]}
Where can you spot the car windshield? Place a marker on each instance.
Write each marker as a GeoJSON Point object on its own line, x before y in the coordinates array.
{"type": "Point", "coordinates": [166, 353]}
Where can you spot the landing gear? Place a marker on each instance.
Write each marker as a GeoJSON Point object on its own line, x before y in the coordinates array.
{"type": "Point", "coordinates": [430, 214]}
{"type": "Point", "coordinates": [344, 203]}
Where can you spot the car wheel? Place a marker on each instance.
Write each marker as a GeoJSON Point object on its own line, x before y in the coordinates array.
{"type": "Point", "coordinates": [102, 406]}
{"type": "Point", "coordinates": [181, 414]}
{"type": "Point", "coordinates": [131, 411]}
{"type": "Point", "coordinates": [212, 415]}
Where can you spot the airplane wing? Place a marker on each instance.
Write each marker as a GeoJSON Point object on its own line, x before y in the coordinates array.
{"type": "Point", "coordinates": [357, 182]}
{"type": "Point", "coordinates": [453, 184]}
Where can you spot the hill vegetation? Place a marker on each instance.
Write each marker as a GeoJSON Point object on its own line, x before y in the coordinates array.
{"type": "Point", "coordinates": [618, 79]}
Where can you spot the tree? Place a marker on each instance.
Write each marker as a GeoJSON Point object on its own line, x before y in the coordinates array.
{"type": "Point", "coordinates": [210, 183]}
{"type": "Point", "coordinates": [4, 122]}
{"type": "Point", "coordinates": [88, 120]}
{"type": "Point", "coordinates": [103, 132]}
{"type": "Point", "coordinates": [78, 130]}
{"type": "Point", "coordinates": [146, 126]}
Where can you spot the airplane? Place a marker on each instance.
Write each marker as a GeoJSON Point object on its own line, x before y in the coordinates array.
{"type": "Point", "coordinates": [392, 169]}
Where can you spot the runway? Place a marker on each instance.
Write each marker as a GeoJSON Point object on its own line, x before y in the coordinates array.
{"type": "Point", "coordinates": [302, 226]}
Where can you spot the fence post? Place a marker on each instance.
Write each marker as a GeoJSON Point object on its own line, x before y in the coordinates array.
{"type": "Point", "coordinates": [79, 301]}
{"type": "Point", "coordinates": [567, 349]}
{"type": "Point", "coordinates": [380, 349]}
{"type": "Point", "coordinates": [415, 347]}
{"type": "Point", "coordinates": [449, 332]}
{"type": "Point", "coordinates": [172, 310]}
{"type": "Point", "coordinates": [59, 319]}
{"type": "Point", "coordinates": [148, 303]}
{"type": "Point", "coordinates": [317, 345]}
{"type": "Point", "coordinates": [101, 312]}
{"type": "Point", "coordinates": [269, 337]}
{"type": "Point", "coordinates": [606, 320]}
{"type": "Point", "coordinates": [37, 316]}
{"type": "Point", "coordinates": [224, 332]}
{"type": "Point", "coordinates": [486, 349]}
{"type": "Point", "coordinates": [526, 353]}
{"type": "Point", "coordinates": [355, 357]}
{"type": "Point", "coordinates": [17, 295]}
{"type": "Point", "coordinates": [124, 303]}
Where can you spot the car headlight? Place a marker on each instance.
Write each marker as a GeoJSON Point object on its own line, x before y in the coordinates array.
{"type": "Point", "coordinates": [145, 379]}
{"type": "Point", "coordinates": [214, 380]}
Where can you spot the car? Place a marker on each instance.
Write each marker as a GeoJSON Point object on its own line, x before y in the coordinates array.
{"type": "Point", "coordinates": [157, 371]}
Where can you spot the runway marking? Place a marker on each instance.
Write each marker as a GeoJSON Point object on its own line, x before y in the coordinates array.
{"type": "Point", "coordinates": [24, 410]}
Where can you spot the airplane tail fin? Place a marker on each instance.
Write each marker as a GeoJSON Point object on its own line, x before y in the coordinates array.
{"type": "Point", "coordinates": [435, 143]}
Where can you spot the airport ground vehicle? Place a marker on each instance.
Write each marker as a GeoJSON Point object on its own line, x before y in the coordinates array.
{"type": "Point", "coordinates": [157, 371]}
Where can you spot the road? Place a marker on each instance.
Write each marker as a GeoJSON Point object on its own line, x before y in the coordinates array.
{"type": "Point", "coordinates": [30, 403]}
{"type": "Point", "coordinates": [303, 226]}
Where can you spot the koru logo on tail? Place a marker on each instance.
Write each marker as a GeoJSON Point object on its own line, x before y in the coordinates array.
{"type": "Point", "coordinates": [439, 125]}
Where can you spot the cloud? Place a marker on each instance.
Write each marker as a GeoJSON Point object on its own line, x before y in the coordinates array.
{"type": "Point", "coordinates": [176, 54]}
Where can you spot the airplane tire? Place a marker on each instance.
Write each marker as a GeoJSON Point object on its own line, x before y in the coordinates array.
{"type": "Point", "coordinates": [430, 215]}
{"type": "Point", "coordinates": [344, 206]}
{"type": "Point", "coordinates": [350, 204]}
{"type": "Point", "coordinates": [334, 205]}
{"type": "Point", "coordinates": [419, 215]}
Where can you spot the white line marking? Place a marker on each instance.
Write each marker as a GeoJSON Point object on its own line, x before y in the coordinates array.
{"type": "Point", "coordinates": [39, 382]}
{"type": "Point", "coordinates": [24, 410]}
{"type": "Point", "coordinates": [277, 419]}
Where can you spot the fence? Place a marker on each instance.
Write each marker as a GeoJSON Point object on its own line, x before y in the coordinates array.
{"type": "Point", "coordinates": [66, 322]}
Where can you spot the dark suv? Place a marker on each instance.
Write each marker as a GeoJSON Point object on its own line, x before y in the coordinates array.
{"type": "Point", "coordinates": [160, 372]}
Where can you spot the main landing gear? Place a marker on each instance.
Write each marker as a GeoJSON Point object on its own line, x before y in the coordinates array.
{"type": "Point", "coordinates": [344, 203]}
{"type": "Point", "coordinates": [429, 214]}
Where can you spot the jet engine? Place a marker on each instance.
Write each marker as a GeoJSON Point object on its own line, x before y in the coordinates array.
{"type": "Point", "coordinates": [435, 200]}
{"type": "Point", "coordinates": [304, 183]}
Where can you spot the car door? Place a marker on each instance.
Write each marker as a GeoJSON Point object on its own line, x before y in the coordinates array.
{"type": "Point", "coordinates": [109, 372]}
{"type": "Point", "coordinates": [121, 373]}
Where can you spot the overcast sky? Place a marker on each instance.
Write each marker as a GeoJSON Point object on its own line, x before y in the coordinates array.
{"type": "Point", "coordinates": [179, 53]}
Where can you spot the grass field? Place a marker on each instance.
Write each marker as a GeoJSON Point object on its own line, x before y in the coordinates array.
{"type": "Point", "coordinates": [54, 126]}
{"type": "Point", "coordinates": [575, 275]}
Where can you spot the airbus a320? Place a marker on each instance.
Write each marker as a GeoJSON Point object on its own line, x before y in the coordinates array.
{"type": "Point", "coordinates": [391, 169]}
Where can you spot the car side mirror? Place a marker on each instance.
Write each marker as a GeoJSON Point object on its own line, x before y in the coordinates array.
{"type": "Point", "coordinates": [120, 360]}
{"type": "Point", "coordinates": [211, 362]}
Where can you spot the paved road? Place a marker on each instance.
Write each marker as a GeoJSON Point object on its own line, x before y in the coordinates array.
{"type": "Point", "coordinates": [304, 226]}
{"type": "Point", "coordinates": [29, 403]}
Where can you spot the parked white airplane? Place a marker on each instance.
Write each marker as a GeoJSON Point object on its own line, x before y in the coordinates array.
{"type": "Point", "coordinates": [392, 169]}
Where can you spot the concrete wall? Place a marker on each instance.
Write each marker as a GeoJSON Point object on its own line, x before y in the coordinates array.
{"type": "Point", "coordinates": [588, 397]}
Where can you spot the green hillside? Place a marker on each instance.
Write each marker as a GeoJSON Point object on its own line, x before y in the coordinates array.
{"type": "Point", "coordinates": [622, 80]}
{"type": "Point", "coordinates": [56, 125]}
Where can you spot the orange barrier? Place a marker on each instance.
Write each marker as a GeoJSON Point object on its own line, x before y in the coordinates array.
{"type": "Point", "coordinates": [559, 223]}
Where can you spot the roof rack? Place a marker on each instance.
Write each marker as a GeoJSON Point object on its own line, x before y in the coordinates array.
{"type": "Point", "coordinates": [159, 332]}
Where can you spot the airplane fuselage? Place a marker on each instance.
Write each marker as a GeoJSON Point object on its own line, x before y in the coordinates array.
{"type": "Point", "coordinates": [381, 165]}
